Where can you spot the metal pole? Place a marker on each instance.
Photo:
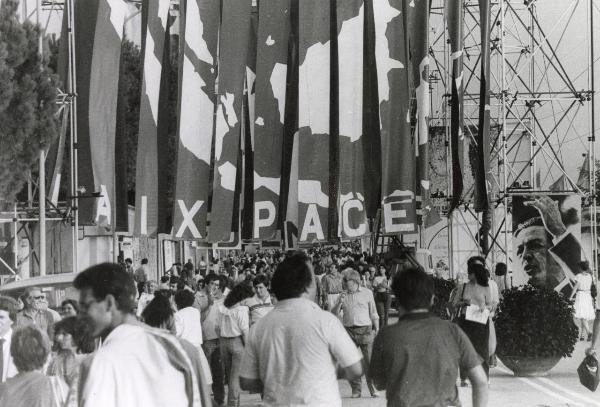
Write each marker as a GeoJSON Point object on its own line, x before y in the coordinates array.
{"type": "Point", "coordinates": [503, 121]}
{"type": "Point", "coordinates": [72, 91]}
{"type": "Point", "coordinates": [42, 199]}
{"type": "Point", "coordinates": [16, 238]}
{"type": "Point", "coordinates": [592, 149]}
{"type": "Point", "coordinates": [447, 62]}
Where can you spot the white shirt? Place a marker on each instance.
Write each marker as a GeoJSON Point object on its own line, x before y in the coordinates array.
{"type": "Point", "coordinates": [211, 321]}
{"type": "Point", "coordinates": [258, 308]}
{"type": "Point", "coordinates": [292, 351]}
{"type": "Point", "coordinates": [188, 325]}
{"type": "Point", "coordinates": [233, 321]}
{"type": "Point", "coordinates": [131, 369]}
{"type": "Point", "coordinates": [9, 370]}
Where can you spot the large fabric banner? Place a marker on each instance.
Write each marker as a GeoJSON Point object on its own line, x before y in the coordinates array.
{"type": "Point", "coordinates": [546, 240]}
{"type": "Point", "coordinates": [352, 212]}
{"type": "Point", "coordinates": [313, 119]}
{"type": "Point", "coordinates": [483, 130]}
{"type": "Point", "coordinates": [397, 148]}
{"type": "Point", "coordinates": [198, 70]}
{"type": "Point", "coordinates": [146, 182]}
{"type": "Point", "coordinates": [233, 48]}
{"type": "Point", "coordinates": [418, 26]}
{"type": "Point", "coordinates": [455, 15]}
{"type": "Point", "coordinates": [271, 77]}
{"type": "Point", "coordinates": [99, 32]}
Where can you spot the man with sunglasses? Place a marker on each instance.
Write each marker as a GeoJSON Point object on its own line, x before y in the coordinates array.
{"type": "Point", "coordinates": [35, 312]}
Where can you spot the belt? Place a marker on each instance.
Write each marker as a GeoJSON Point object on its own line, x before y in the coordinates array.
{"type": "Point", "coordinates": [585, 291]}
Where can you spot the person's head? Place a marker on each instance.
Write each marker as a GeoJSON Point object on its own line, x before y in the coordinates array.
{"type": "Point", "coordinates": [476, 260]}
{"type": "Point", "coordinates": [69, 308]}
{"type": "Point", "coordinates": [584, 266]}
{"type": "Point", "coordinates": [33, 298]}
{"type": "Point", "coordinates": [351, 279]}
{"type": "Point", "coordinates": [144, 261]}
{"type": "Point", "coordinates": [9, 308]}
{"type": "Point", "coordinates": [413, 289]}
{"type": "Point", "coordinates": [477, 273]}
{"type": "Point", "coordinates": [184, 298]}
{"type": "Point", "coordinates": [158, 313]}
{"type": "Point", "coordinates": [151, 286]}
{"type": "Point", "coordinates": [106, 297]}
{"type": "Point", "coordinates": [333, 268]}
{"type": "Point", "coordinates": [500, 269]}
{"type": "Point", "coordinates": [380, 271]}
{"type": "Point", "coordinates": [239, 293]}
{"type": "Point", "coordinates": [533, 244]}
{"type": "Point", "coordinates": [128, 261]}
{"type": "Point", "coordinates": [261, 286]}
{"type": "Point", "coordinates": [29, 348]}
{"type": "Point", "coordinates": [293, 278]}
{"type": "Point", "coordinates": [64, 332]}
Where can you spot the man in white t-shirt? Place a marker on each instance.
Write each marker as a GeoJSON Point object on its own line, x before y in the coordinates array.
{"type": "Point", "coordinates": [187, 318]}
{"type": "Point", "coordinates": [291, 353]}
{"type": "Point", "coordinates": [136, 365]}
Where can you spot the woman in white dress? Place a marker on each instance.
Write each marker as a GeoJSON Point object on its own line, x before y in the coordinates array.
{"type": "Point", "coordinates": [584, 305]}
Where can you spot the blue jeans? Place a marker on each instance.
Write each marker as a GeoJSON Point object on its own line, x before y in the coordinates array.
{"type": "Point", "coordinates": [232, 350]}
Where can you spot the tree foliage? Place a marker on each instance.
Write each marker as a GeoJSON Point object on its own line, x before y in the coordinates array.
{"type": "Point", "coordinates": [27, 100]}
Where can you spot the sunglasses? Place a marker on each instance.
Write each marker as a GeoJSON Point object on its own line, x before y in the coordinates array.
{"type": "Point", "coordinates": [39, 297]}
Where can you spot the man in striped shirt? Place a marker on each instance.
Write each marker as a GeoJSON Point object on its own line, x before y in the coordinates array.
{"type": "Point", "coordinates": [261, 304]}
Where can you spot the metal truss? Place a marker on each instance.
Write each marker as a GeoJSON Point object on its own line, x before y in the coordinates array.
{"type": "Point", "coordinates": [542, 103]}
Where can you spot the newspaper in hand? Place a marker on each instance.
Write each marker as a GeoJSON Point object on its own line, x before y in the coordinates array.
{"type": "Point", "coordinates": [475, 314]}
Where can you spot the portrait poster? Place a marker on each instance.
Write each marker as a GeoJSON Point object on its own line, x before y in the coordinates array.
{"type": "Point", "coordinates": [546, 240]}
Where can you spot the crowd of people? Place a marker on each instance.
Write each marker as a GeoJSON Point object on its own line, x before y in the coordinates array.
{"type": "Point", "coordinates": [286, 326]}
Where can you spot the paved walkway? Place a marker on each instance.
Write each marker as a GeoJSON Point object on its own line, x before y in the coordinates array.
{"type": "Point", "coordinates": [561, 388]}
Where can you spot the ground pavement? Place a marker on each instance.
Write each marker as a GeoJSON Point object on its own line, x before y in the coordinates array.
{"type": "Point", "coordinates": [561, 388]}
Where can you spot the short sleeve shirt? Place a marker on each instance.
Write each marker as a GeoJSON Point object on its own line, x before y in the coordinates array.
{"type": "Point", "coordinates": [294, 351]}
{"type": "Point", "coordinates": [417, 361]}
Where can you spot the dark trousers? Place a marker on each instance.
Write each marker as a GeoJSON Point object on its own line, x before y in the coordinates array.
{"type": "Point", "coordinates": [362, 336]}
{"type": "Point", "coordinates": [213, 354]}
{"type": "Point", "coordinates": [382, 303]}
{"type": "Point", "coordinates": [479, 335]}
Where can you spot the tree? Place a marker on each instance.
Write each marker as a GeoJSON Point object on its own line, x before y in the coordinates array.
{"type": "Point", "coordinates": [27, 100]}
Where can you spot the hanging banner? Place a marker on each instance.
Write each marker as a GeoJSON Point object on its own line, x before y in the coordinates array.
{"type": "Point", "coordinates": [98, 36]}
{"type": "Point", "coordinates": [146, 180]}
{"type": "Point", "coordinates": [418, 23]}
{"type": "Point", "coordinates": [546, 240]}
{"type": "Point", "coordinates": [248, 132]}
{"type": "Point", "coordinates": [233, 48]}
{"type": "Point", "coordinates": [455, 15]}
{"type": "Point", "coordinates": [271, 77]}
{"type": "Point", "coordinates": [397, 149]}
{"type": "Point", "coordinates": [197, 101]}
{"type": "Point", "coordinates": [313, 119]}
{"type": "Point", "coordinates": [483, 131]}
{"type": "Point", "coordinates": [352, 213]}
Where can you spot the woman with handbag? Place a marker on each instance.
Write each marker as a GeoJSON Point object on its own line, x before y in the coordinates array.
{"type": "Point", "coordinates": [475, 292]}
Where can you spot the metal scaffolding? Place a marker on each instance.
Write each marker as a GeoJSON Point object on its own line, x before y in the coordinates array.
{"type": "Point", "coordinates": [542, 103]}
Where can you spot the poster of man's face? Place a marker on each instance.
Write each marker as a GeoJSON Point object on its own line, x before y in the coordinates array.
{"type": "Point", "coordinates": [546, 248]}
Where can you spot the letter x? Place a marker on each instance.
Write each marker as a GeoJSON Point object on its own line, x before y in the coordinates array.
{"type": "Point", "coordinates": [188, 219]}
